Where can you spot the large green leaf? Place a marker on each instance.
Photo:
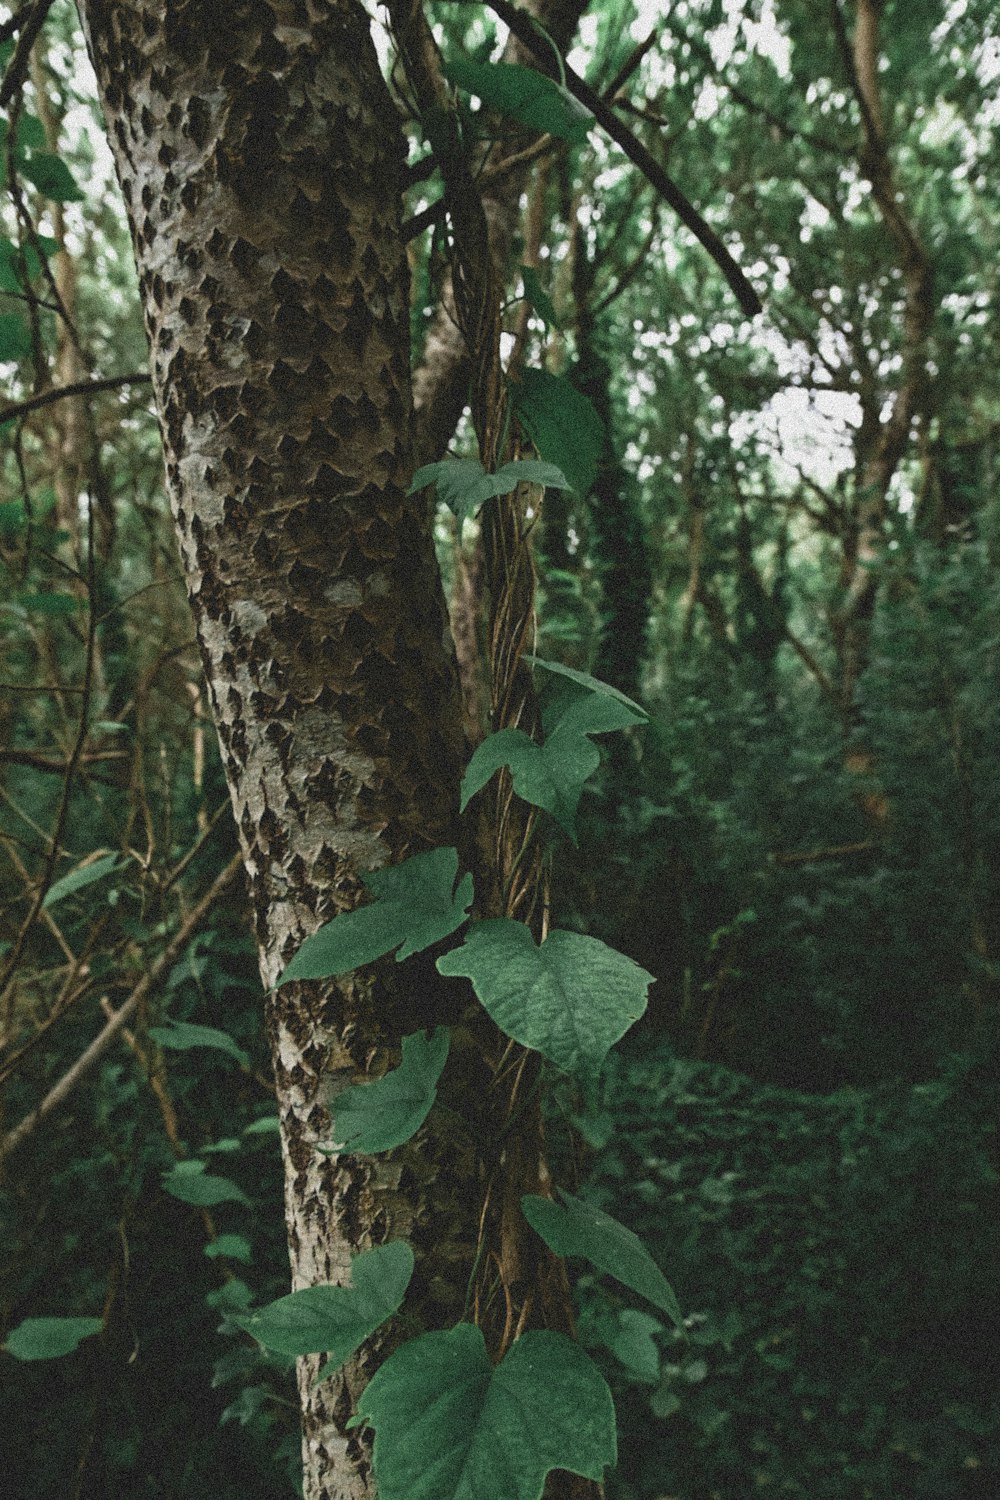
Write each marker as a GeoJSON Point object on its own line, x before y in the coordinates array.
{"type": "Point", "coordinates": [550, 775]}
{"type": "Point", "coordinates": [464, 485]}
{"type": "Point", "coordinates": [179, 1036]}
{"type": "Point", "coordinates": [570, 999]}
{"type": "Point", "coordinates": [334, 1320]}
{"type": "Point", "coordinates": [378, 1116]}
{"type": "Point", "coordinates": [81, 877]}
{"type": "Point", "coordinates": [189, 1182]}
{"type": "Point", "coordinates": [536, 101]}
{"type": "Point", "coordinates": [574, 1227]}
{"type": "Point", "coordinates": [448, 1426]}
{"type": "Point", "coordinates": [49, 1338]}
{"type": "Point", "coordinates": [413, 908]}
{"type": "Point", "coordinates": [563, 425]}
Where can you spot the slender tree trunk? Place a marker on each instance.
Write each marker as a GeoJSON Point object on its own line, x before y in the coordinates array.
{"type": "Point", "coordinates": [258, 151]}
{"type": "Point", "coordinates": [883, 440]}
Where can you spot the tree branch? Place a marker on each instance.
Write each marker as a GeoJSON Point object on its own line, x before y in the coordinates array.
{"type": "Point", "coordinates": [171, 953]}
{"type": "Point", "coordinates": [78, 388]}
{"type": "Point", "coordinates": [521, 26]}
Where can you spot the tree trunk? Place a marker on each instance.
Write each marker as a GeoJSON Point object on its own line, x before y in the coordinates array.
{"type": "Point", "coordinates": [258, 150]}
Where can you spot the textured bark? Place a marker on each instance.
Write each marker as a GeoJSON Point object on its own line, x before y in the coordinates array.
{"type": "Point", "coordinates": [258, 154]}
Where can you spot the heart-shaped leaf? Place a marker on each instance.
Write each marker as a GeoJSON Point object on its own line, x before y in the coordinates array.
{"type": "Point", "coordinates": [570, 999]}
{"type": "Point", "coordinates": [378, 1116]}
{"type": "Point", "coordinates": [593, 685]}
{"type": "Point", "coordinates": [465, 486]}
{"type": "Point", "coordinates": [563, 425]}
{"type": "Point", "coordinates": [550, 775]}
{"type": "Point", "coordinates": [450, 1426]}
{"type": "Point", "coordinates": [334, 1320]}
{"type": "Point", "coordinates": [190, 1183]}
{"type": "Point", "coordinates": [414, 907]}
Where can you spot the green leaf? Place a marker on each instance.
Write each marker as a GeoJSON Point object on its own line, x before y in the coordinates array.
{"type": "Point", "coordinates": [563, 425]}
{"type": "Point", "coordinates": [378, 1116]}
{"type": "Point", "coordinates": [50, 1338]}
{"type": "Point", "coordinates": [334, 1320]}
{"type": "Point", "coordinates": [550, 776]}
{"type": "Point", "coordinates": [189, 1182]}
{"type": "Point", "coordinates": [414, 907]}
{"type": "Point", "coordinates": [15, 337]}
{"type": "Point", "coordinates": [266, 1125]}
{"type": "Point", "coordinates": [464, 485]}
{"type": "Point", "coordinates": [83, 875]}
{"type": "Point", "coordinates": [630, 1335]}
{"type": "Point", "coordinates": [592, 684]}
{"type": "Point", "coordinates": [51, 176]}
{"type": "Point", "coordinates": [230, 1247]}
{"type": "Point", "coordinates": [536, 295]}
{"type": "Point", "coordinates": [179, 1036]}
{"type": "Point", "coordinates": [574, 1227]}
{"type": "Point", "coordinates": [570, 999]}
{"type": "Point", "coordinates": [30, 133]}
{"type": "Point", "coordinates": [13, 517]}
{"type": "Point", "coordinates": [539, 103]}
{"type": "Point", "coordinates": [448, 1426]}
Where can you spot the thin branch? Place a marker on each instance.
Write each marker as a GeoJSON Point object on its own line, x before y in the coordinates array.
{"type": "Point", "coordinates": [171, 953]}
{"type": "Point", "coordinates": [629, 66]}
{"type": "Point", "coordinates": [78, 388]}
{"type": "Point", "coordinates": [753, 106]}
{"type": "Point", "coordinates": [817, 671]}
{"type": "Point", "coordinates": [835, 851]}
{"type": "Point", "coordinates": [521, 25]}
{"type": "Point", "coordinates": [29, 21]}
{"type": "Point", "coordinates": [37, 762]}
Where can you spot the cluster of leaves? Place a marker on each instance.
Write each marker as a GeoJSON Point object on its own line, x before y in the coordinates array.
{"type": "Point", "coordinates": [447, 1423]}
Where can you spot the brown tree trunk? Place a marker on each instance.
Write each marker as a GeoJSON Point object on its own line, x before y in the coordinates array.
{"type": "Point", "coordinates": [884, 439]}
{"type": "Point", "coordinates": [258, 150]}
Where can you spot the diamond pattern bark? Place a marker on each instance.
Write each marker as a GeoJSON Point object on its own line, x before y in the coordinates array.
{"type": "Point", "coordinates": [259, 158]}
